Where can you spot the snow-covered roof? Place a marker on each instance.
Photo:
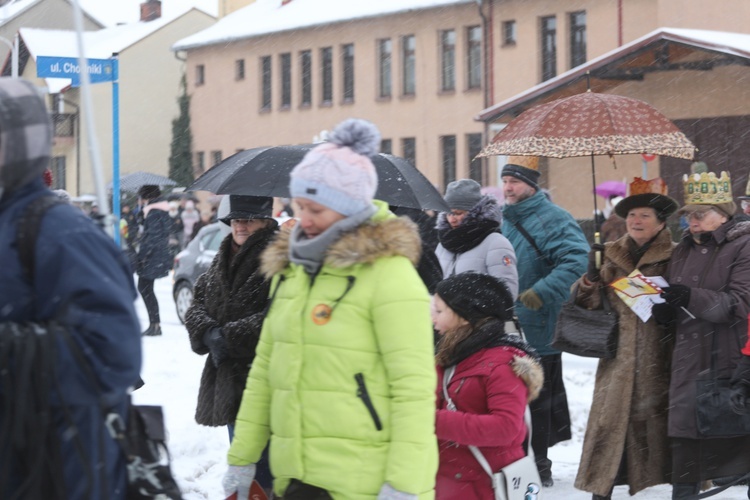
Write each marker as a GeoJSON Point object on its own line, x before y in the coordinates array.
{"type": "Point", "coordinates": [99, 44]}
{"type": "Point", "coordinates": [270, 16]}
{"type": "Point", "coordinates": [736, 44]}
{"type": "Point", "coordinates": [15, 8]}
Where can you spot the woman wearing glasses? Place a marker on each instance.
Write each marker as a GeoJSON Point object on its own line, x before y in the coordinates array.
{"type": "Point", "coordinates": [708, 303]}
{"type": "Point", "coordinates": [470, 238]}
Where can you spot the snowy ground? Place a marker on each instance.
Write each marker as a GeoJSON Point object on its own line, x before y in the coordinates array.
{"type": "Point", "coordinates": [172, 374]}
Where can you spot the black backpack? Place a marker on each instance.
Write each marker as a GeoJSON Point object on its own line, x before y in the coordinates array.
{"type": "Point", "coordinates": [143, 440]}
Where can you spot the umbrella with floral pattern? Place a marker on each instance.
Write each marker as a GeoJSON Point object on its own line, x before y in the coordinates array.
{"type": "Point", "coordinates": [591, 124]}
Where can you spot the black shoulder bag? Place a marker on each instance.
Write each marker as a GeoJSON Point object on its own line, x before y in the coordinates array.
{"type": "Point", "coordinates": [591, 333]}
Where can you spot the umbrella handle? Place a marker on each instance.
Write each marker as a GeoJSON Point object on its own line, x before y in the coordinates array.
{"type": "Point", "coordinates": [598, 254]}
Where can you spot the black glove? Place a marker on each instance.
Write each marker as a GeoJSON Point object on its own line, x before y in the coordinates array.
{"type": "Point", "coordinates": [217, 344]}
{"type": "Point", "coordinates": [664, 314]}
{"type": "Point", "coordinates": [592, 274]}
{"type": "Point", "coordinates": [741, 387]}
{"type": "Point", "coordinates": [676, 295]}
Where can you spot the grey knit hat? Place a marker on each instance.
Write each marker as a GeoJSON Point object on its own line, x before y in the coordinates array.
{"type": "Point", "coordinates": [463, 194]}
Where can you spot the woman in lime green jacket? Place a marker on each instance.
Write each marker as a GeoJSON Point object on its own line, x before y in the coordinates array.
{"type": "Point", "coordinates": [343, 381]}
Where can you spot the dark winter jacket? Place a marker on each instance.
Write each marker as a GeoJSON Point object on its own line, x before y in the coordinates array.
{"type": "Point", "coordinates": [631, 393]}
{"type": "Point", "coordinates": [477, 245]}
{"type": "Point", "coordinates": [429, 266]}
{"type": "Point", "coordinates": [231, 295]}
{"type": "Point", "coordinates": [565, 258]}
{"type": "Point", "coordinates": [490, 388]}
{"type": "Point", "coordinates": [81, 282]}
{"type": "Point", "coordinates": [154, 258]}
{"type": "Point", "coordinates": [718, 274]}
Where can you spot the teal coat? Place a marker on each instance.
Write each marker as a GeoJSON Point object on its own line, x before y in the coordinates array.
{"type": "Point", "coordinates": [565, 251]}
{"type": "Point", "coordinates": [349, 400]}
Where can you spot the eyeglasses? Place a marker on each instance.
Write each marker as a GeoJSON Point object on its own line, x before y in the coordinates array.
{"type": "Point", "coordinates": [456, 213]}
{"type": "Point", "coordinates": [745, 204]}
{"type": "Point", "coordinates": [699, 216]}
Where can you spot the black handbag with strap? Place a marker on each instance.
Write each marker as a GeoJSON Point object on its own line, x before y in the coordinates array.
{"type": "Point", "coordinates": [590, 333]}
{"type": "Point", "coordinates": [713, 412]}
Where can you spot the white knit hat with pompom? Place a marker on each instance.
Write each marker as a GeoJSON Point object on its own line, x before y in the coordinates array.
{"type": "Point", "coordinates": [339, 174]}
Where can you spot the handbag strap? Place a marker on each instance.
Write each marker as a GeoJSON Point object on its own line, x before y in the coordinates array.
{"type": "Point", "coordinates": [533, 244]}
{"type": "Point", "coordinates": [447, 376]}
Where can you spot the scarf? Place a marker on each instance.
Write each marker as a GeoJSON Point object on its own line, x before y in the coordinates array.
{"type": "Point", "coordinates": [310, 252]}
{"type": "Point", "coordinates": [467, 235]}
{"type": "Point", "coordinates": [489, 334]}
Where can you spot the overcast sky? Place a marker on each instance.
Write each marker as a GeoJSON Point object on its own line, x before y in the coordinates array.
{"type": "Point", "coordinates": [112, 12]}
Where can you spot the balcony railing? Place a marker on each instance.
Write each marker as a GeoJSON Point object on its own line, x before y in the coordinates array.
{"type": "Point", "coordinates": [64, 124]}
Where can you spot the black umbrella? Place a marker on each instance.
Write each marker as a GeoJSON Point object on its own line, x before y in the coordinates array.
{"type": "Point", "coordinates": [265, 172]}
{"type": "Point", "coordinates": [133, 182]}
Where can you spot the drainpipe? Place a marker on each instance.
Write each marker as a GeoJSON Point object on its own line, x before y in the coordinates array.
{"type": "Point", "coordinates": [487, 73]}
{"type": "Point", "coordinates": [619, 23]}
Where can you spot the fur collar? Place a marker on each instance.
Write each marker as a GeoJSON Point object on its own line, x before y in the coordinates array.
{"type": "Point", "coordinates": [618, 252]}
{"type": "Point", "coordinates": [486, 208]}
{"type": "Point", "coordinates": [741, 228]}
{"type": "Point", "coordinates": [365, 244]}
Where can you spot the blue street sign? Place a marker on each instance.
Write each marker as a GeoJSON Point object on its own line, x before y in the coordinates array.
{"type": "Point", "coordinates": [99, 70]}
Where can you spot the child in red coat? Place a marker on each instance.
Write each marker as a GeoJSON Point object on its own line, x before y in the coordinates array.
{"type": "Point", "coordinates": [496, 376]}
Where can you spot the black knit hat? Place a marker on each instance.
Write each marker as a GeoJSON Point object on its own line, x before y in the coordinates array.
{"type": "Point", "coordinates": [248, 207]}
{"type": "Point", "coordinates": [149, 191]}
{"type": "Point", "coordinates": [475, 296]}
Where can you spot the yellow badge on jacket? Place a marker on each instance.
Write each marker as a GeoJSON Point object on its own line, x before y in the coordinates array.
{"type": "Point", "coordinates": [321, 314]}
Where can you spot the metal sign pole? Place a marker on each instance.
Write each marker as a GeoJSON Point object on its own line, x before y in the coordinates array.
{"type": "Point", "coordinates": [116, 147]}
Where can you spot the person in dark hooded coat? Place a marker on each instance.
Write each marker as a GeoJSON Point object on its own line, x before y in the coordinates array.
{"type": "Point", "coordinates": [225, 318]}
{"type": "Point", "coordinates": [69, 334]}
{"type": "Point", "coordinates": [154, 256]}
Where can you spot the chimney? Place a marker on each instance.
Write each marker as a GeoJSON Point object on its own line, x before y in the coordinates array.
{"type": "Point", "coordinates": [150, 10]}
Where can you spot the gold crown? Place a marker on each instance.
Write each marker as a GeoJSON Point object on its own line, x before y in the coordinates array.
{"type": "Point", "coordinates": [653, 186]}
{"type": "Point", "coordinates": [531, 162]}
{"type": "Point", "coordinates": [707, 189]}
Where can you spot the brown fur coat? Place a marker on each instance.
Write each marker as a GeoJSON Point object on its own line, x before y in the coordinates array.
{"type": "Point", "coordinates": [628, 418]}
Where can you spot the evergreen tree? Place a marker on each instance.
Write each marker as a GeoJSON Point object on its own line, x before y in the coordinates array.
{"type": "Point", "coordinates": [181, 157]}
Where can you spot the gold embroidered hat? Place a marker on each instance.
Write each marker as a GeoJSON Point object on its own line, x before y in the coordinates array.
{"type": "Point", "coordinates": [747, 192]}
{"type": "Point", "coordinates": [707, 190]}
{"type": "Point", "coordinates": [650, 193]}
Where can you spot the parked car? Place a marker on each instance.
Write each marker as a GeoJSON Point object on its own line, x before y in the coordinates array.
{"type": "Point", "coordinates": [193, 261]}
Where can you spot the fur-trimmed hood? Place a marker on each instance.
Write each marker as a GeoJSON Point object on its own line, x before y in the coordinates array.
{"type": "Point", "coordinates": [528, 369]}
{"type": "Point", "coordinates": [384, 235]}
{"type": "Point", "coordinates": [487, 208]}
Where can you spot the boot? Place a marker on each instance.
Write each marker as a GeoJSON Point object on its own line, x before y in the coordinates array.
{"type": "Point", "coordinates": [684, 490]}
{"type": "Point", "coordinates": [153, 330]}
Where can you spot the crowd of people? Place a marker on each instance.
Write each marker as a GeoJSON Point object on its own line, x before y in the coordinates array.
{"type": "Point", "coordinates": [357, 354]}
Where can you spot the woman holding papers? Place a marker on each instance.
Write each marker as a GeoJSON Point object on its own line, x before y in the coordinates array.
{"type": "Point", "coordinates": [626, 437]}
{"type": "Point", "coordinates": [708, 302]}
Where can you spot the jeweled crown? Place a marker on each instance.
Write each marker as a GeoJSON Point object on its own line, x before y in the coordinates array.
{"type": "Point", "coordinates": [707, 189]}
